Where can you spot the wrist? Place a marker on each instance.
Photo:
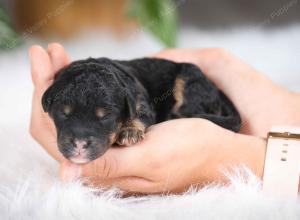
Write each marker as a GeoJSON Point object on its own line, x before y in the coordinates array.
{"type": "Point", "coordinates": [235, 150]}
{"type": "Point", "coordinates": [251, 152]}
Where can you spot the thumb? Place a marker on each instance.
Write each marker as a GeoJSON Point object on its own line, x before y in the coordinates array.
{"type": "Point", "coordinates": [115, 163]}
{"type": "Point", "coordinates": [58, 56]}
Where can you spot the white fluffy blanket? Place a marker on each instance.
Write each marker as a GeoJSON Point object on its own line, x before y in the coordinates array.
{"type": "Point", "coordinates": [30, 189]}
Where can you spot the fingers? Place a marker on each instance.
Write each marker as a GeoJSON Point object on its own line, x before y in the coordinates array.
{"type": "Point", "coordinates": [44, 65]}
{"type": "Point", "coordinates": [180, 55]}
{"type": "Point", "coordinates": [58, 56]}
{"type": "Point", "coordinates": [124, 168]}
{"type": "Point", "coordinates": [130, 184]}
{"type": "Point", "coordinates": [41, 67]}
{"type": "Point", "coordinates": [70, 172]}
{"type": "Point", "coordinates": [115, 163]}
{"type": "Point", "coordinates": [220, 66]}
{"type": "Point", "coordinates": [41, 126]}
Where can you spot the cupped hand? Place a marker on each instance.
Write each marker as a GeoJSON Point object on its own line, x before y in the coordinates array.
{"type": "Point", "coordinates": [173, 156]}
{"type": "Point", "coordinates": [44, 66]}
{"type": "Point", "coordinates": [178, 153]}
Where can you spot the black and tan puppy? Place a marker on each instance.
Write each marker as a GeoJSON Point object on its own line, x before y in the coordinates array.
{"type": "Point", "coordinates": [98, 102]}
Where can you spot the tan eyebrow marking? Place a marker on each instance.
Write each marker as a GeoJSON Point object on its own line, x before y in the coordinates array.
{"type": "Point", "coordinates": [100, 112]}
{"type": "Point", "coordinates": [67, 109]}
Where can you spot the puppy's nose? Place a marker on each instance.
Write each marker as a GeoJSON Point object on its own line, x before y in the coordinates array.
{"type": "Point", "coordinates": [80, 152]}
{"type": "Point", "coordinates": [81, 144]}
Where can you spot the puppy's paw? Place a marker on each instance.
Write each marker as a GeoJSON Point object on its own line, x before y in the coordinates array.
{"type": "Point", "coordinates": [129, 136]}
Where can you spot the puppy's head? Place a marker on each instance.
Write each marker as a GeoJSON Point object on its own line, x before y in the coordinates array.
{"type": "Point", "coordinates": [87, 103]}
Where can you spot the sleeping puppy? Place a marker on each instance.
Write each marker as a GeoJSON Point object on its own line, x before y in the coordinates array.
{"type": "Point", "coordinates": [96, 103]}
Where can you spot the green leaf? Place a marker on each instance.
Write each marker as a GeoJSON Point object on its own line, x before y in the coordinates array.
{"type": "Point", "coordinates": [158, 16]}
{"type": "Point", "coordinates": [8, 37]}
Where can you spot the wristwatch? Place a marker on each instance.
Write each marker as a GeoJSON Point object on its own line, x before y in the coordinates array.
{"type": "Point", "coordinates": [282, 163]}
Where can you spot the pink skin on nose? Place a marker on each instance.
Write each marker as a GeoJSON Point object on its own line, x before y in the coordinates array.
{"type": "Point", "coordinates": [79, 152]}
{"type": "Point", "coordinates": [80, 144]}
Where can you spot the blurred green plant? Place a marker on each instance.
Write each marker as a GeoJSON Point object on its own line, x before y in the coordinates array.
{"type": "Point", "coordinates": [8, 37]}
{"type": "Point", "coordinates": [158, 16]}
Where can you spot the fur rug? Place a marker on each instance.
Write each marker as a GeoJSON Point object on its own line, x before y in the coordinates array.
{"type": "Point", "coordinates": [30, 189]}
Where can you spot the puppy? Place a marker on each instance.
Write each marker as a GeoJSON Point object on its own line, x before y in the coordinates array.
{"type": "Point", "coordinates": [96, 103]}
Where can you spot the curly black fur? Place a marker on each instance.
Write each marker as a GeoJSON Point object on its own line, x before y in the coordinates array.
{"type": "Point", "coordinates": [98, 102]}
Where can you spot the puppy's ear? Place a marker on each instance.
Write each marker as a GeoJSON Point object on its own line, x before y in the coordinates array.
{"type": "Point", "coordinates": [130, 104]}
{"type": "Point", "coordinates": [48, 98]}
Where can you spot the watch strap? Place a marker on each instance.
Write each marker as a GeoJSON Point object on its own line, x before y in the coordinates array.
{"type": "Point", "coordinates": [282, 163]}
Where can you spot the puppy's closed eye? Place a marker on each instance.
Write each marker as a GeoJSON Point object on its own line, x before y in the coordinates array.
{"type": "Point", "coordinates": [64, 112]}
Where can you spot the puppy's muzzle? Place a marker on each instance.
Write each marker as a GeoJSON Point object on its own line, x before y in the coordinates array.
{"type": "Point", "coordinates": [81, 150]}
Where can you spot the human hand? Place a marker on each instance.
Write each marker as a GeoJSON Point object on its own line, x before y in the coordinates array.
{"type": "Point", "coordinates": [260, 102]}
{"type": "Point", "coordinates": [44, 65]}
{"type": "Point", "coordinates": [123, 167]}
{"type": "Point", "coordinates": [173, 156]}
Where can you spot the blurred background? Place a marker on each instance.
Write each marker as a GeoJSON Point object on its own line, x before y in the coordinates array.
{"type": "Point", "coordinates": [264, 33]}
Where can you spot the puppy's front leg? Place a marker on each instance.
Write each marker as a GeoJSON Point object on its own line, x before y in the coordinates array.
{"type": "Point", "coordinates": [131, 133]}
{"type": "Point", "coordinates": [132, 130]}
